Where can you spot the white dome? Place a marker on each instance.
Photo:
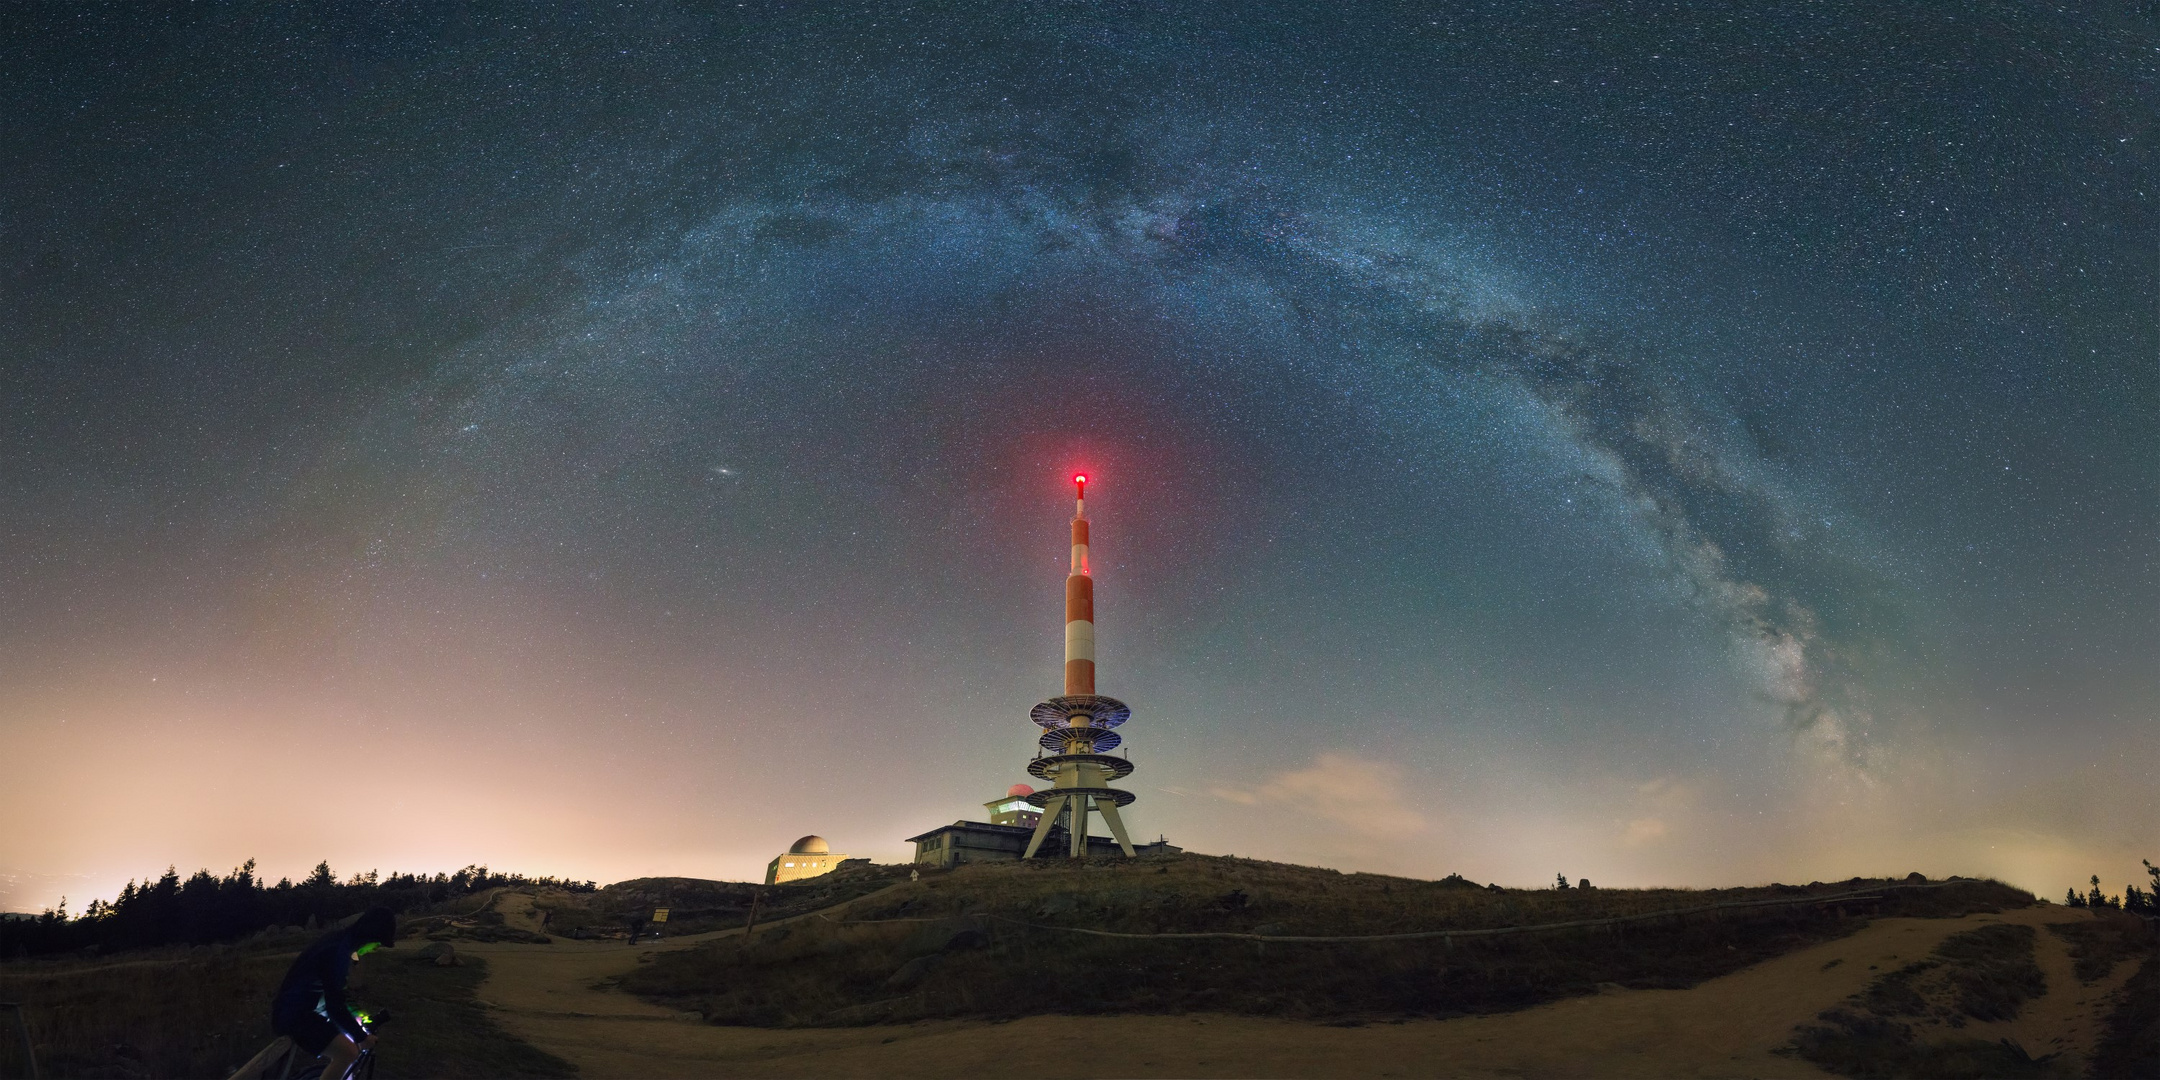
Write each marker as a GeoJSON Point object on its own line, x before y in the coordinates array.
{"type": "Point", "coordinates": [810, 845]}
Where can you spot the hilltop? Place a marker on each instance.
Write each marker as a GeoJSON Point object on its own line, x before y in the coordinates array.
{"type": "Point", "coordinates": [695, 906]}
{"type": "Point", "coordinates": [866, 972]}
{"type": "Point", "coordinates": [1009, 939]}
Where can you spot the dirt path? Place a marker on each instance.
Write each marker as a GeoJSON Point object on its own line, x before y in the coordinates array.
{"type": "Point", "coordinates": [2069, 1019]}
{"type": "Point", "coordinates": [1729, 1026]}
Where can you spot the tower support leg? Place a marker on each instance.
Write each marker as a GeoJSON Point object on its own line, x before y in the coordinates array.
{"type": "Point", "coordinates": [1079, 805]}
{"type": "Point", "coordinates": [1117, 824]}
{"type": "Point", "coordinates": [1050, 811]}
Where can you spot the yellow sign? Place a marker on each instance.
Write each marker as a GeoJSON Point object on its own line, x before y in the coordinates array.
{"type": "Point", "coordinates": [659, 915]}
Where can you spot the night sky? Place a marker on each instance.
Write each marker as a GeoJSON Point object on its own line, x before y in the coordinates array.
{"type": "Point", "coordinates": [1666, 444]}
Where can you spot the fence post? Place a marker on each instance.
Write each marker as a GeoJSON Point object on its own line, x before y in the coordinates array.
{"type": "Point", "coordinates": [22, 1031]}
{"type": "Point", "coordinates": [757, 895]}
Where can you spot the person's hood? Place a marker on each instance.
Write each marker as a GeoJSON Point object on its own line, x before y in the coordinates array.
{"type": "Point", "coordinates": [376, 924]}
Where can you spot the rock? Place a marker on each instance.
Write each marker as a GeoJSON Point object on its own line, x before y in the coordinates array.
{"type": "Point", "coordinates": [938, 935]}
{"type": "Point", "coordinates": [1270, 929]}
{"type": "Point", "coordinates": [447, 960]}
{"type": "Point", "coordinates": [437, 950]}
{"type": "Point", "coordinates": [1059, 904]}
{"type": "Point", "coordinates": [1916, 878]}
{"type": "Point", "coordinates": [911, 972]}
{"type": "Point", "coordinates": [967, 939]}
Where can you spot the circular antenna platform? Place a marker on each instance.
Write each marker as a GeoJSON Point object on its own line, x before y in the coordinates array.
{"type": "Point", "coordinates": [1105, 712]}
{"type": "Point", "coordinates": [1116, 795]}
{"type": "Point", "coordinates": [1056, 739]}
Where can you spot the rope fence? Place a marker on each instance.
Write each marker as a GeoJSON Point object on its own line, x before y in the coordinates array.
{"type": "Point", "coordinates": [1449, 935]}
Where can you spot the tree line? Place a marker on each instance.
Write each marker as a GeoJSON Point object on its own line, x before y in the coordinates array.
{"type": "Point", "coordinates": [204, 909]}
{"type": "Point", "coordinates": [2141, 901]}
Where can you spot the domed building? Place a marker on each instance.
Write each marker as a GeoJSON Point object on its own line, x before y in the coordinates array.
{"type": "Point", "coordinates": [810, 857]}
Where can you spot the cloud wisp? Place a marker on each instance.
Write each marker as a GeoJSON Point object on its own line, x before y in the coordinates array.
{"type": "Point", "coordinates": [1361, 795]}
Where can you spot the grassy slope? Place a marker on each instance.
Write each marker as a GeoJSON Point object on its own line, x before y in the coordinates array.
{"type": "Point", "coordinates": [695, 905]}
{"type": "Point", "coordinates": [2130, 1047]}
{"type": "Point", "coordinates": [966, 956]}
{"type": "Point", "coordinates": [1983, 974]}
{"type": "Point", "coordinates": [203, 1012]}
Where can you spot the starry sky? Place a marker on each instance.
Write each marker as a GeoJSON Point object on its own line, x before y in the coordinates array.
{"type": "Point", "coordinates": [1664, 443]}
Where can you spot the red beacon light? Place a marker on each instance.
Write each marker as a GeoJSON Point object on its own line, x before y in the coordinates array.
{"type": "Point", "coordinates": [1080, 483]}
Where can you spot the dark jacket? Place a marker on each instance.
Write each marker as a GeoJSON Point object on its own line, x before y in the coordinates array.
{"type": "Point", "coordinates": [316, 983]}
{"type": "Point", "coordinates": [316, 980]}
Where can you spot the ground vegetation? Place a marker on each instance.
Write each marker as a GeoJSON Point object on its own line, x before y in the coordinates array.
{"type": "Point", "coordinates": [1986, 974]}
{"type": "Point", "coordinates": [204, 1011]}
{"type": "Point", "coordinates": [1007, 940]}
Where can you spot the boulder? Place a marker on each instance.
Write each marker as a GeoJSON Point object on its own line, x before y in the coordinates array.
{"type": "Point", "coordinates": [970, 938]}
{"type": "Point", "coordinates": [941, 935]}
{"type": "Point", "coordinates": [911, 972]}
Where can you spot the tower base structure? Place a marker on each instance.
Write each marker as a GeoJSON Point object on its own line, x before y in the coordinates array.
{"type": "Point", "coordinates": [965, 842]}
{"type": "Point", "coordinates": [1078, 730]}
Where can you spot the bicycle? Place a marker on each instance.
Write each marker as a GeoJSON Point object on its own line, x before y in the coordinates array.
{"type": "Point", "coordinates": [281, 1060]}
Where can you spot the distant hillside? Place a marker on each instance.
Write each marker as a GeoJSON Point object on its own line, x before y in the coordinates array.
{"type": "Point", "coordinates": [695, 905]}
{"type": "Point", "coordinates": [999, 939]}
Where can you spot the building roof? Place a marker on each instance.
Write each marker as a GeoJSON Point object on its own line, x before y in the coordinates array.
{"type": "Point", "coordinates": [972, 826]}
{"type": "Point", "coordinates": [809, 845]}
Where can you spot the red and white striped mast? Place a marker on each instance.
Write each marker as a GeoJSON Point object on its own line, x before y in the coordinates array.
{"type": "Point", "coordinates": [1078, 726]}
{"type": "Point", "coordinates": [1079, 602]}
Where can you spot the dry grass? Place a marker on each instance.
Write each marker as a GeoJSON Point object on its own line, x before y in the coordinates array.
{"type": "Point", "coordinates": [202, 1012]}
{"type": "Point", "coordinates": [2098, 943]}
{"type": "Point", "coordinates": [1985, 974]}
{"type": "Point", "coordinates": [171, 1012]}
{"type": "Point", "coordinates": [2131, 1046]}
{"type": "Point", "coordinates": [695, 906]}
{"type": "Point", "coordinates": [969, 955]}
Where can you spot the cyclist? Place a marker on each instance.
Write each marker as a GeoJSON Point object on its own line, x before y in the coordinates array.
{"type": "Point", "coordinates": [310, 1005]}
